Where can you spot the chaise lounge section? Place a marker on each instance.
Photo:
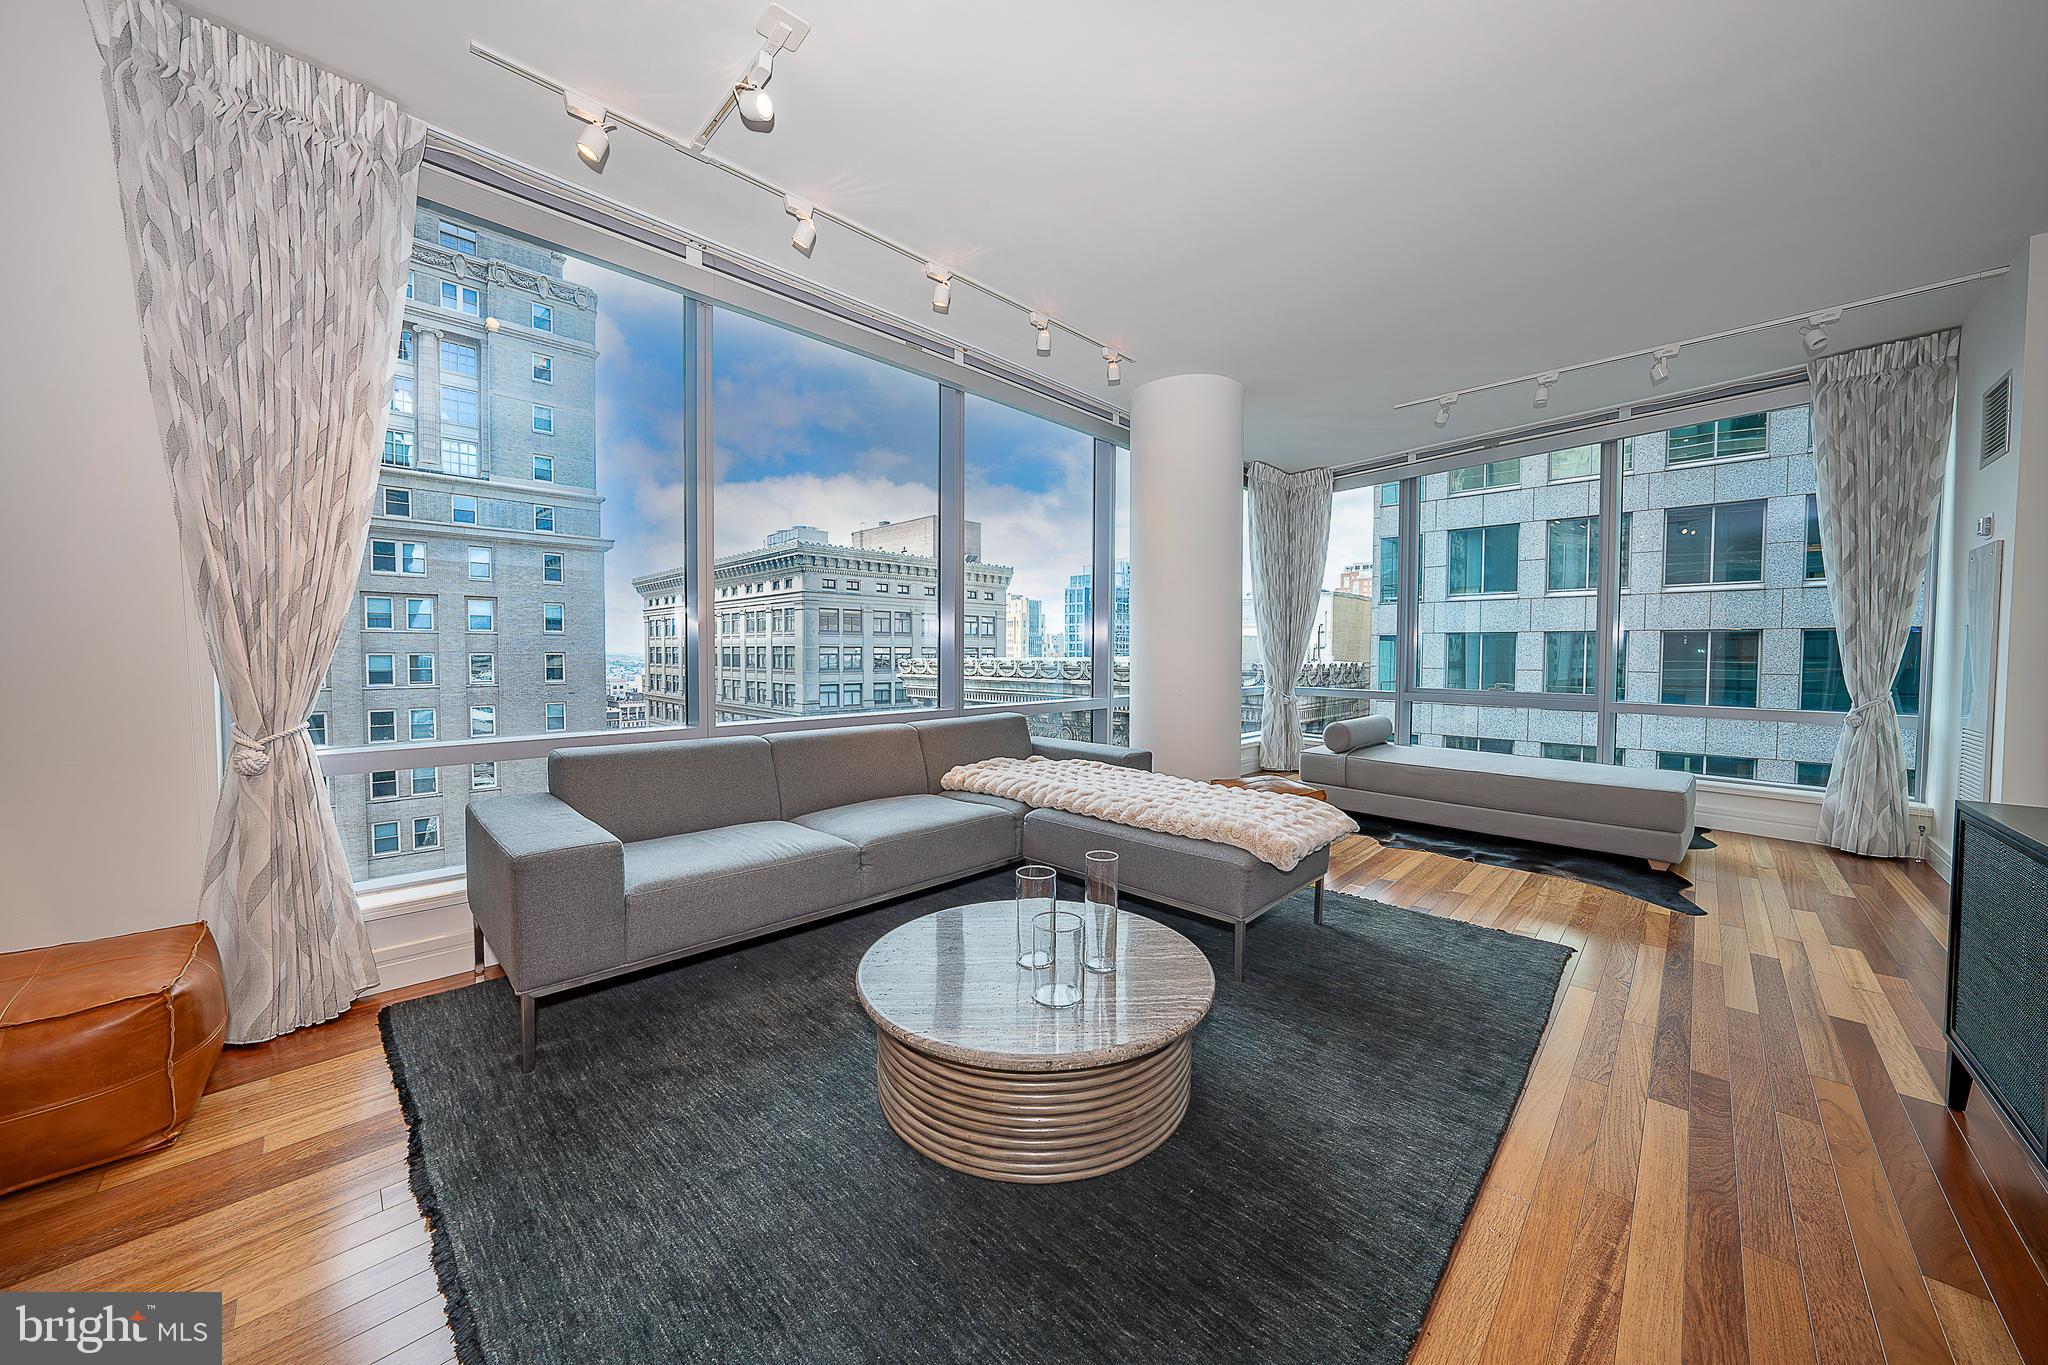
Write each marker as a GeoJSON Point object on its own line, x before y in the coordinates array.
{"type": "Point", "coordinates": [1634, 812]}
{"type": "Point", "coordinates": [640, 854]}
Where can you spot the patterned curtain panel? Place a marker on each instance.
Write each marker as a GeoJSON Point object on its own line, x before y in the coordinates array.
{"type": "Point", "coordinates": [1880, 441]}
{"type": "Point", "coordinates": [269, 208]}
{"type": "Point", "coordinates": [1290, 535]}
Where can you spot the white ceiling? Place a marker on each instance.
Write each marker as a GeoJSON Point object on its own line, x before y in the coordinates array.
{"type": "Point", "coordinates": [1343, 206]}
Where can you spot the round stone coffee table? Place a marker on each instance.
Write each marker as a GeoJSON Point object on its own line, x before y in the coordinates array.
{"type": "Point", "coordinates": [977, 1076]}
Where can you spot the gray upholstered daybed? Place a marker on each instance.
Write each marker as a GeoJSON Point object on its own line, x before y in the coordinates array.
{"type": "Point", "coordinates": [1635, 812]}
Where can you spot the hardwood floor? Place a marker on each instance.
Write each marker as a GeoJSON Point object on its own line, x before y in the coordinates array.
{"type": "Point", "coordinates": [1732, 1147]}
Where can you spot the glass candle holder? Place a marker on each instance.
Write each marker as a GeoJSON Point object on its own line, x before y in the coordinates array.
{"type": "Point", "coordinates": [1037, 892]}
{"type": "Point", "coordinates": [1057, 935]}
{"type": "Point", "coordinates": [1100, 911]}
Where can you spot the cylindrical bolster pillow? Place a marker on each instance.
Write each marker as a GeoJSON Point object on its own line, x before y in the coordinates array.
{"type": "Point", "coordinates": [1357, 733]}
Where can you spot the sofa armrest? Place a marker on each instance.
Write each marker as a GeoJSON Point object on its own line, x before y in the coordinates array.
{"type": "Point", "coordinates": [548, 886]}
{"type": "Point", "coordinates": [1101, 753]}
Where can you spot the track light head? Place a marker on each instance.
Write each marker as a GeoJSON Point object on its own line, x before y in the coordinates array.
{"type": "Point", "coordinates": [757, 108]}
{"type": "Point", "coordinates": [1543, 383]}
{"type": "Point", "coordinates": [1660, 363]}
{"type": "Point", "coordinates": [1044, 326]}
{"type": "Point", "coordinates": [1110, 355]}
{"type": "Point", "coordinates": [1443, 409]}
{"type": "Point", "coordinates": [806, 235]}
{"type": "Point", "coordinates": [1816, 335]}
{"type": "Point", "coordinates": [593, 144]}
{"type": "Point", "coordinates": [942, 287]}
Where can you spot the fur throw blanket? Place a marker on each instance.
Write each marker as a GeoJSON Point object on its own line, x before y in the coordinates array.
{"type": "Point", "coordinates": [1276, 829]}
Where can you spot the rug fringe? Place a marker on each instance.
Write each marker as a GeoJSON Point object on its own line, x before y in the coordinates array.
{"type": "Point", "coordinates": [462, 1323]}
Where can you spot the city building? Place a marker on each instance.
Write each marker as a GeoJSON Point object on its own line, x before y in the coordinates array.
{"type": "Point", "coordinates": [808, 627]}
{"type": "Point", "coordinates": [1024, 628]}
{"type": "Point", "coordinates": [480, 603]}
{"type": "Point", "coordinates": [1723, 602]}
{"type": "Point", "coordinates": [1081, 610]}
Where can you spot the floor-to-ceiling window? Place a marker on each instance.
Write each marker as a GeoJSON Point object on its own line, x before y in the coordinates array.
{"type": "Point", "coordinates": [572, 447]}
{"type": "Point", "coordinates": [826, 577]}
{"type": "Point", "coordinates": [1706, 602]}
{"type": "Point", "coordinates": [1030, 539]}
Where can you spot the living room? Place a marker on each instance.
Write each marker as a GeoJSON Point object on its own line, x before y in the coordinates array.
{"type": "Point", "coordinates": [835, 683]}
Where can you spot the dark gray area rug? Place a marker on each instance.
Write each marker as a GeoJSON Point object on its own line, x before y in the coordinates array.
{"type": "Point", "coordinates": [697, 1169]}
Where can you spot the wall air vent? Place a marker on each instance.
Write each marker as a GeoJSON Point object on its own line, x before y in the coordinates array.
{"type": "Point", "coordinates": [1997, 420]}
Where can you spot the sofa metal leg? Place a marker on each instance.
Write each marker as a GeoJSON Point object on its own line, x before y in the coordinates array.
{"type": "Point", "coordinates": [1240, 950]}
{"type": "Point", "coordinates": [1319, 900]}
{"type": "Point", "coordinates": [526, 1010]}
{"type": "Point", "coordinates": [479, 949]}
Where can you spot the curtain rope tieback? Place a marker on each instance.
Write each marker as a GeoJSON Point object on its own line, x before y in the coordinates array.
{"type": "Point", "coordinates": [1860, 714]}
{"type": "Point", "coordinates": [251, 757]}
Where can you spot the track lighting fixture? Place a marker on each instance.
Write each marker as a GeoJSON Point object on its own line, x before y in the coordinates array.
{"type": "Point", "coordinates": [1817, 329]}
{"type": "Point", "coordinates": [1109, 354]}
{"type": "Point", "coordinates": [1660, 363]}
{"type": "Point", "coordinates": [780, 31]}
{"type": "Point", "coordinates": [1543, 383]}
{"type": "Point", "coordinates": [806, 235]}
{"type": "Point", "coordinates": [942, 287]}
{"type": "Point", "coordinates": [1044, 326]}
{"type": "Point", "coordinates": [1443, 409]}
{"type": "Point", "coordinates": [757, 108]}
{"type": "Point", "coordinates": [594, 143]}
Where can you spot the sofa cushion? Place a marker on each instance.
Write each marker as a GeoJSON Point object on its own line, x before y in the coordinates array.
{"type": "Point", "coordinates": [1321, 767]}
{"type": "Point", "coordinates": [907, 841]}
{"type": "Point", "coordinates": [819, 769]}
{"type": "Point", "coordinates": [711, 884]}
{"type": "Point", "coordinates": [1596, 793]}
{"type": "Point", "coordinates": [1218, 878]}
{"type": "Point", "coordinates": [969, 739]}
{"type": "Point", "coordinates": [647, 791]}
{"type": "Point", "coordinates": [1016, 810]}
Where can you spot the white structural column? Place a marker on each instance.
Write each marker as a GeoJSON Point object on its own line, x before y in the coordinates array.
{"type": "Point", "coordinates": [1187, 531]}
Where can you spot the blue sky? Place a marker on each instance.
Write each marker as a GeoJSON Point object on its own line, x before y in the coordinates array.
{"type": "Point", "coordinates": [807, 433]}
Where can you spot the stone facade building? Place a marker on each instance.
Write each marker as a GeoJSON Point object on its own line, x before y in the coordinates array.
{"type": "Point", "coordinates": [480, 604]}
{"type": "Point", "coordinates": [1723, 603]}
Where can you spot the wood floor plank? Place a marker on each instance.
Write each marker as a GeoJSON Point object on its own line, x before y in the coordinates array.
{"type": "Point", "coordinates": [1774, 1308]}
{"type": "Point", "coordinates": [1589, 1308]}
{"type": "Point", "coordinates": [1652, 1314]}
{"type": "Point", "coordinates": [1671, 1049]}
{"type": "Point", "coordinates": [1527, 1310]}
{"type": "Point", "coordinates": [1938, 1245]}
{"type": "Point", "coordinates": [1454, 1332]}
{"type": "Point", "coordinates": [1905, 1314]}
{"type": "Point", "coordinates": [1765, 1205]}
{"type": "Point", "coordinates": [1844, 1329]}
{"type": "Point", "coordinates": [2009, 1271]}
{"type": "Point", "coordinates": [1715, 1329]}
{"type": "Point", "coordinates": [1976, 1334]}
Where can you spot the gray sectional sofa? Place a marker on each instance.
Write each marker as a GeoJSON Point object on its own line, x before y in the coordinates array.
{"type": "Point", "coordinates": [1635, 812]}
{"type": "Point", "coordinates": [640, 854]}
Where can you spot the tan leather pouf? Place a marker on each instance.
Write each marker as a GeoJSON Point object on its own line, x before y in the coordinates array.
{"type": "Point", "coordinates": [104, 1048]}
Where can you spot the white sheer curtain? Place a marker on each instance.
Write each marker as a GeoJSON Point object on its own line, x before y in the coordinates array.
{"type": "Point", "coordinates": [1290, 537]}
{"type": "Point", "coordinates": [269, 209]}
{"type": "Point", "coordinates": [1881, 421]}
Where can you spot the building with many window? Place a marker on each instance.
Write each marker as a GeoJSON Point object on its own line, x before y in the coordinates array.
{"type": "Point", "coordinates": [479, 607]}
{"type": "Point", "coordinates": [808, 627]}
{"type": "Point", "coordinates": [1723, 603]}
{"type": "Point", "coordinates": [1080, 609]}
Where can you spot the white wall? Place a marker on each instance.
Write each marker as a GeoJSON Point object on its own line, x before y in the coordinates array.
{"type": "Point", "coordinates": [2006, 330]}
{"type": "Point", "coordinates": [106, 707]}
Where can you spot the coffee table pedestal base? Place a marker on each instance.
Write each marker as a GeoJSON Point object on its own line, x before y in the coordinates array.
{"type": "Point", "coordinates": [1032, 1127]}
